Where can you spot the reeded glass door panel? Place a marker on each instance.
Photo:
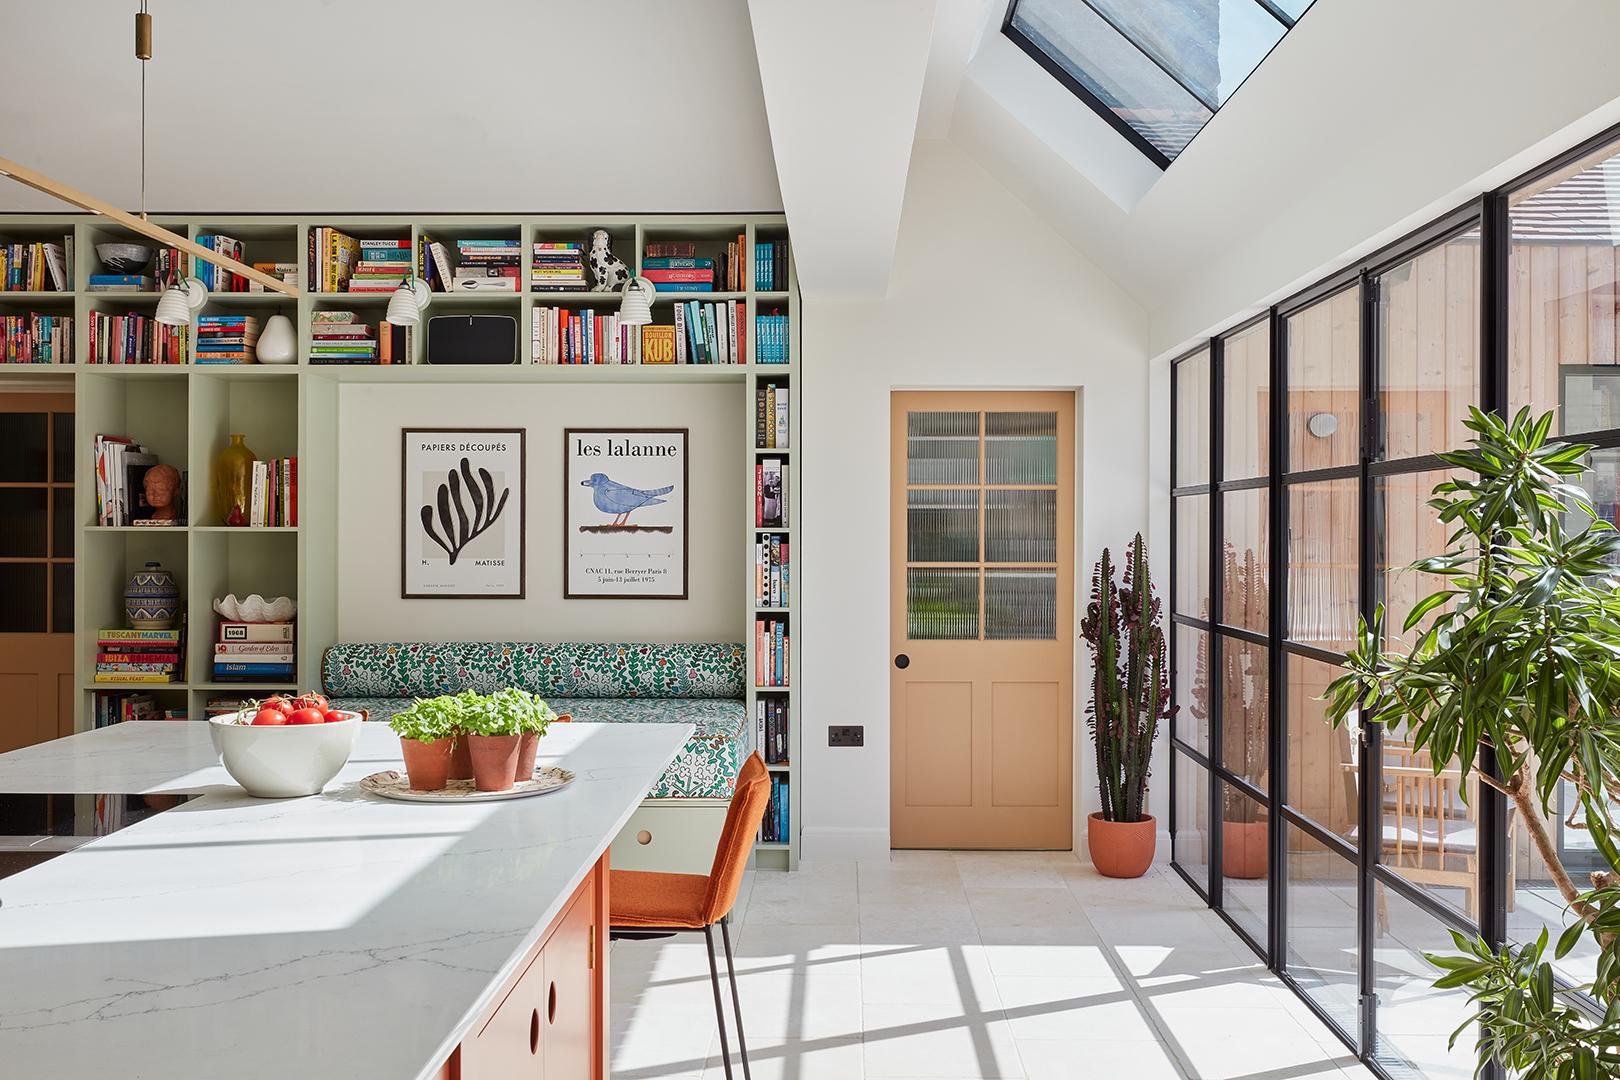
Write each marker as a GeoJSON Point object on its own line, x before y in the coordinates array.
{"type": "Point", "coordinates": [1245, 711]}
{"type": "Point", "coordinates": [1192, 556]}
{"type": "Point", "coordinates": [1324, 384]}
{"type": "Point", "coordinates": [1192, 420]}
{"type": "Point", "coordinates": [1415, 1021]}
{"type": "Point", "coordinates": [1429, 833]}
{"type": "Point", "coordinates": [1020, 448]}
{"type": "Point", "coordinates": [942, 604]}
{"type": "Point", "coordinates": [1428, 350]}
{"type": "Point", "coordinates": [1191, 843]}
{"type": "Point", "coordinates": [942, 448]}
{"type": "Point", "coordinates": [1192, 687]}
{"type": "Point", "coordinates": [942, 525]}
{"type": "Point", "coordinates": [24, 532]}
{"type": "Point", "coordinates": [1020, 605]}
{"type": "Point", "coordinates": [1245, 861]}
{"type": "Point", "coordinates": [1246, 575]}
{"type": "Point", "coordinates": [1324, 775]}
{"type": "Point", "coordinates": [1324, 551]}
{"type": "Point", "coordinates": [1322, 953]}
{"type": "Point", "coordinates": [62, 447]}
{"type": "Point", "coordinates": [1020, 525]}
{"type": "Point", "coordinates": [1406, 529]}
{"type": "Point", "coordinates": [1247, 358]}
{"type": "Point", "coordinates": [24, 447]}
{"type": "Point", "coordinates": [62, 598]}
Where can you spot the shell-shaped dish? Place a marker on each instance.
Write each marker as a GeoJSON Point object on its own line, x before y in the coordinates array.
{"type": "Point", "coordinates": [256, 608]}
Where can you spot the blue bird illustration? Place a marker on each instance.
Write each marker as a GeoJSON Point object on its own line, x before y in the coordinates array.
{"type": "Point", "coordinates": [615, 498]}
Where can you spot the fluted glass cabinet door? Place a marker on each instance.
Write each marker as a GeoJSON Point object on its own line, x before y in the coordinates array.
{"type": "Point", "coordinates": [982, 631]}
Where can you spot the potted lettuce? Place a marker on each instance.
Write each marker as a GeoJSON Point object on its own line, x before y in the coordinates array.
{"type": "Point", "coordinates": [427, 729]}
{"type": "Point", "coordinates": [504, 729]}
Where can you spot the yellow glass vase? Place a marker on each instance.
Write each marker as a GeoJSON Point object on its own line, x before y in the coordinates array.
{"type": "Point", "coordinates": [233, 482]}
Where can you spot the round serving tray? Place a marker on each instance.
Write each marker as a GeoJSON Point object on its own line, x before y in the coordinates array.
{"type": "Point", "coordinates": [393, 785]}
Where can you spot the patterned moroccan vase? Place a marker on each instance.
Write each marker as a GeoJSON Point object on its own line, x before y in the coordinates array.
{"type": "Point", "coordinates": [152, 599]}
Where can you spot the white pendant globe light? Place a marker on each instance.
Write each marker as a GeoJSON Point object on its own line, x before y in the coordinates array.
{"type": "Point", "coordinates": [179, 301]}
{"type": "Point", "coordinates": [636, 308]}
{"type": "Point", "coordinates": [277, 342]}
{"type": "Point", "coordinates": [405, 306]}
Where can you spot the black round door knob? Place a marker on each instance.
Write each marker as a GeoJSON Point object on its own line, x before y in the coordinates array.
{"type": "Point", "coordinates": [902, 661]}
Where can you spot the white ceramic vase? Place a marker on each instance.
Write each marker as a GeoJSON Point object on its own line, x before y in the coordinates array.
{"type": "Point", "coordinates": [277, 342]}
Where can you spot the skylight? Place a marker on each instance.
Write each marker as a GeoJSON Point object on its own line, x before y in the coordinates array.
{"type": "Point", "coordinates": [1155, 69]}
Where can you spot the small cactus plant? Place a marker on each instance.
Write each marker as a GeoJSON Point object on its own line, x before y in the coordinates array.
{"type": "Point", "coordinates": [1130, 683]}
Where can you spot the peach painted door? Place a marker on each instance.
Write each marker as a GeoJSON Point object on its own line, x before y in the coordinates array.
{"type": "Point", "coordinates": [982, 619]}
{"type": "Point", "coordinates": [37, 528]}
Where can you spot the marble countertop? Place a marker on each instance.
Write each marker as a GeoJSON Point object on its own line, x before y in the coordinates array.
{"type": "Point", "coordinates": [340, 935]}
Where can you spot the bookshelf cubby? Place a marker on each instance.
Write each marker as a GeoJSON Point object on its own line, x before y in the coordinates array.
{"type": "Point", "coordinates": [185, 413]}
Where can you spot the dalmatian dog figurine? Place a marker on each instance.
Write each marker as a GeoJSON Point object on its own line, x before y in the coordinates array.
{"type": "Point", "coordinates": [609, 270]}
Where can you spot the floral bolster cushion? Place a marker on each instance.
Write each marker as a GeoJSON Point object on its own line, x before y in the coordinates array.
{"type": "Point", "coordinates": [561, 670]}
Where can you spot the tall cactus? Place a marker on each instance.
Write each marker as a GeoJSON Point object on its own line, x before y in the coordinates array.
{"type": "Point", "coordinates": [1130, 683]}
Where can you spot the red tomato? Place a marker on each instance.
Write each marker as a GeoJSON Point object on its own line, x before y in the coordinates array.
{"type": "Point", "coordinates": [309, 701]}
{"type": "Point", "coordinates": [306, 716]}
{"type": "Point", "coordinates": [336, 716]}
{"type": "Point", "coordinates": [279, 703]}
{"type": "Point", "coordinates": [267, 715]}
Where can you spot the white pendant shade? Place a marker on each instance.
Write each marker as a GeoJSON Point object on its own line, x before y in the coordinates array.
{"type": "Point", "coordinates": [277, 342]}
{"type": "Point", "coordinates": [405, 306]}
{"type": "Point", "coordinates": [179, 301]}
{"type": "Point", "coordinates": [636, 308]}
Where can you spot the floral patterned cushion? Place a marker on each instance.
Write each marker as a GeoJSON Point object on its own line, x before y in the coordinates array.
{"type": "Point", "coordinates": [570, 670]}
{"type": "Point", "coordinates": [705, 768]}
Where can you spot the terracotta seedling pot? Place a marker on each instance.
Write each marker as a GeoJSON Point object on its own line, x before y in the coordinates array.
{"type": "Point", "coordinates": [1243, 849]}
{"type": "Point", "coordinates": [1122, 849]}
{"type": "Point", "coordinates": [461, 759]}
{"type": "Point", "coordinates": [426, 763]}
{"type": "Point", "coordinates": [494, 761]}
{"type": "Point", "coordinates": [528, 746]}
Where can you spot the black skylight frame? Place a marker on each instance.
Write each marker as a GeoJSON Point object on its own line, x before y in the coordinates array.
{"type": "Point", "coordinates": [1100, 107]}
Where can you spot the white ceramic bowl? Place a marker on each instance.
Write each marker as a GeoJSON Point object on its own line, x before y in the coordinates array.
{"type": "Point", "coordinates": [283, 761]}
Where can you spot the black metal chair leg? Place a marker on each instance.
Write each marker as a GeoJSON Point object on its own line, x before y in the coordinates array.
{"type": "Point", "coordinates": [719, 1008]}
{"type": "Point", "coordinates": [736, 1002]}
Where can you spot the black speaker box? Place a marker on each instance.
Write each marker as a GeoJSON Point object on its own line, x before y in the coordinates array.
{"type": "Point", "coordinates": [472, 339]}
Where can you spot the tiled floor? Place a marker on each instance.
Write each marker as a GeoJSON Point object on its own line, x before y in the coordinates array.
{"type": "Point", "coordinates": [972, 964]}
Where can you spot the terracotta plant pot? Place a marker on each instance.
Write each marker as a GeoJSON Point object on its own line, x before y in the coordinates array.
{"type": "Point", "coordinates": [1243, 849]}
{"type": "Point", "coordinates": [1122, 849]}
{"type": "Point", "coordinates": [528, 746]}
{"type": "Point", "coordinates": [494, 761]}
{"type": "Point", "coordinates": [461, 759]}
{"type": "Point", "coordinates": [426, 763]}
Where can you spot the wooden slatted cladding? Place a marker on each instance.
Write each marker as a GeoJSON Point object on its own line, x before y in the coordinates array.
{"type": "Point", "coordinates": [1561, 311]}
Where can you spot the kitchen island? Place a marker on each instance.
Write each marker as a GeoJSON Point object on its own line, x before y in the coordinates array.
{"type": "Point", "coordinates": [341, 935]}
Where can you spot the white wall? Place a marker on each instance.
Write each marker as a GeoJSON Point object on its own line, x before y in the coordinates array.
{"type": "Point", "coordinates": [370, 418]}
{"type": "Point", "coordinates": [982, 295]}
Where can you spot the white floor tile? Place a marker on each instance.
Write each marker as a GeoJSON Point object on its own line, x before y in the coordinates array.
{"type": "Point", "coordinates": [938, 1041]}
{"type": "Point", "coordinates": [918, 924]}
{"type": "Point", "coordinates": [792, 1059]}
{"type": "Point", "coordinates": [927, 975]}
{"type": "Point", "coordinates": [1046, 1059]}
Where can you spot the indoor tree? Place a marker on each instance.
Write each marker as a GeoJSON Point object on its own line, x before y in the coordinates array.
{"type": "Point", "coordinates": [1521, 667]}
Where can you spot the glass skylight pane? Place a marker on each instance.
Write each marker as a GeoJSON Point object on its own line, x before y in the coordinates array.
{"type": "Point", "coordinates": [1211, 46]}
{"type": "Point", "coordinates": [1102, 60]}
{"type": "Point", "coordinates": [1293, 8]}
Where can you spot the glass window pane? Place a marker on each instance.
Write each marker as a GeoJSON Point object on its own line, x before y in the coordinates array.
{"type": "Point", "coordinates": [1020, 447]}
{"type": "Point", "coordinates": [1020, 605]}
{"type": "Point", "coordinates": [1190, 844]}
{"type": "Point", "coordinates": [62, 447]}
{"type": "Point", "coordinates": [1536, 903]}
{"type": "Point", "coordinates": [1324, 550]}
{"type": "Point", "coordinates": [1192, 687]}
{"type": "Point", "coordinates": [1246, 577]}
{"type": "Point", "coordinates": [1192, 556]}
{"type": "Point", "coordinates": [1415, 1020]}
{"type": "Point", "coordinates": [1601, 481]}
{"type": "Point", "coordinates": [942, 448]}
{"type": "Point", "coordinates": [61, 598]}
{"type": "Point", "coordinates": [1324, 775]}
{"type": "Point", "coordinates": [1322, 953]}
{"type": "Point", "coordinates": [1192, 420]}
{"type": "Point", "coordinates": [1428, 362]}
{"type": "Point", "coordinates": [1428, 833]}
{"type": "Point", "coordinates": [24, 451]}
{"type": "Point", "coordinates": [1247, 360]}
{"type": "Point", "coordinates": [1405, 529]}
{"type": "Point", "coordinates": [1105, 62]}
{"type": "Point", "coordinates": [23, 523]}
{"type": "Point", "coordinates": [22, 598]}
{"type": "Point", "coordinates": [942, 525]}
{"type": "Point", "coordinates": [1211, 45]}
{"type": "Point", "coordinates": [1245, 714]}
{"type": "Point", "coordinates": [62, 523]}
{"type": "Point", "coordinates": [1324, 384]}
{"type": "Point", "coordinates": [942, 604]}
{"type": "Point", "coordinates": [1020, 525]}
{"type": "Point", "coordinates": [1245, 863]}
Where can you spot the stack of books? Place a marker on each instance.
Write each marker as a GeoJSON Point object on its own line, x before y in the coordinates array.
{"type": "Point", "coordinates": [40, 267]}
{"type": "Point", "coordinates": [136, 339]}
{"type": "Point", "coordinates": [121, 468]}
{"type": "Point", "coordinates": [770, 494]}
{"type": "Point", "coordinates": [710, 333]}
{"type": "Point", "coordinates": [586, 336]}
{"type": "Point", "coordinates": [115, 708]}
{"type": "Point", "coordinates": [736, 276]}
{"type": "Point", "coordinates": [771, 338]}
{"type": "Point", "coordinates": [227, 339]}
{"type": "Point", "coordinates": [557, 268]}
{"type": "Point", "coordinates": [771, 641]}
{"type": "Point", "coordinates": [770, 571]}
{"type": "Point", "coordinates": [254, 652]}
{"type": "Point", "coordinates": [139, 656]}
{"type": "Point", "coordinates": [339, 337]}
{"type": "Point", "coordinates": [770, 266]}
{"type": "Point", "coordinates": [38, 339]}
{"type": "Point", "coordinates": [771, 729]}
{"type": "Point", "coordinates": [222, 706]}
{"type": "Point", "coordinates": [383, 267]}
{"type": "Point", "coordinates": [218, 278]}
{"type": "Point", "coordinates": [770, 416]}
{"type": "Point", "coordinates": [487, 266]}
{"type": "Point", "coordinates": [774, 828]}
{"type": "Point", "coordinates": [333, 256]}
{"type": "Point", "coordinates": [273, 497]}
{"type": "Point", "coordinates": [673, 274]}
{"type": "Point", "coordinates": [121, 283]}
{"type": "Point", "coordinates": [287, 272]}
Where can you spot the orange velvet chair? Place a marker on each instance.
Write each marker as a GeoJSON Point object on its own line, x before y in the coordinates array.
{"type": "Point", "coordinates": [651, 905]}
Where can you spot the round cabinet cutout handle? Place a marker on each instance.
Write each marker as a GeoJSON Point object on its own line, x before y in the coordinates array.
{"type": "Point", "coordinates": [643, 837]}
{"type": "Point", "coordinates": [902, 661]}
{"type": "Point", "coordinates": [551, 1004]}
{"type": "Point", "coordinates": [534, 1032]}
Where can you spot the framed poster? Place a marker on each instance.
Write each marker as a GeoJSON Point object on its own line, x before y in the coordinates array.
{"type": "Point", "coordinates": [624, 513]}
{"type": "Point", "coordinates": [464, 503]}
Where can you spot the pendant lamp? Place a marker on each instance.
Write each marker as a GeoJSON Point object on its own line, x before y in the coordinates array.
{"type": "Point", "coordinates": [405, 306]}
{"type": "Point", "coordinates": [636, 308]}
{"type": "Point", "coordinates": [179, 300]}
